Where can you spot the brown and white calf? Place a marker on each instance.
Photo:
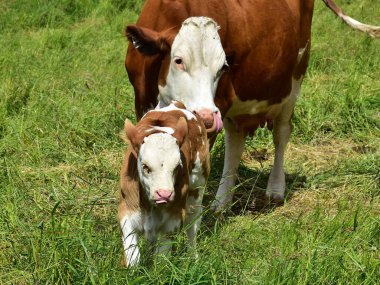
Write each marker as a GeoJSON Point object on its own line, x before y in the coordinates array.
{"type": "Point", "coordinates": [180, 53]}
{"type": "Point", "coordinates": [162, 178]}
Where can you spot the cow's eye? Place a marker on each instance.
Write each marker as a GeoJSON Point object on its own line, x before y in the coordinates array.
{"type": "Point", "coordinates": [222, 70]}
{"type": "Point", "coordinates": [178, 62]}
{"type": "Point", "coordinates": [225, 67]}
{"type": "Point", "coordinates": [146, 169]}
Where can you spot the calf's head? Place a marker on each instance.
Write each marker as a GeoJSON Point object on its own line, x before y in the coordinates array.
{"type": "Point", "coordinates": [158, 160]}
{"type": "Point", "coordinates": [191, 61]}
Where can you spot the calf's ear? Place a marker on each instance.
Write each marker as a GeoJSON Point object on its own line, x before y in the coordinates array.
{"type": "Point", "coordinates": [131, 135]}
{"type": "Point", "coordinates": [147, 41]}
{"type": "Point", "coordinates": [181, 130]}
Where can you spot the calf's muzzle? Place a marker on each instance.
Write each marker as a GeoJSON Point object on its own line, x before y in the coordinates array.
{"type": "Point", "coordinates": [163, 196]}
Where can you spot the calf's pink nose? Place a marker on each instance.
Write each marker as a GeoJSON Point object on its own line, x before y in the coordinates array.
{"type": "Point", "coordinates": [163, 196]}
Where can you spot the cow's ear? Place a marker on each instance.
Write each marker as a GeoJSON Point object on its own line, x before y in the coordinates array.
{"type": "Point", "coordinates": [180, 131]}
{"type": "Point", "coordinates": [147, 41]}
{"type": "Point", "coordinates": [131, 135]}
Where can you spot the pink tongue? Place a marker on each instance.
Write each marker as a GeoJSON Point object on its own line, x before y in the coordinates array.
{"type": "Point", "coordinates": [218, 122]}
{"type": "Point", "coordinates": [162, 201]}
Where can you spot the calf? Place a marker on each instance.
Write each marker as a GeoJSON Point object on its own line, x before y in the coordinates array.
{"type": "Point", "coordinates": [163, 177]}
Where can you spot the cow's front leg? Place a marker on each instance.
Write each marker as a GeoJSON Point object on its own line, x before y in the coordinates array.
{"type": "Point", "coordinates": [234, 140]}
{"type": "Point", "coordinates": [281, 132]}
{"type": "Point", "coordinates": [130, 239]}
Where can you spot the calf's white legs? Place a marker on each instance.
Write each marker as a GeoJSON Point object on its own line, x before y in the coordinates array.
{"type": "Point", "coordinates": [131, 250]}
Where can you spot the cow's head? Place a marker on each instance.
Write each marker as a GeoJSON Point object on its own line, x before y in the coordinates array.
{"type": "Point", "coordinates": [192, 62]}
{"type": "Point", "coordinates": [159, 162]}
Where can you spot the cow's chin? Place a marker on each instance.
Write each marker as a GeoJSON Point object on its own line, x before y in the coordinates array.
{"type": "Point", "coordinates": [216, 127]}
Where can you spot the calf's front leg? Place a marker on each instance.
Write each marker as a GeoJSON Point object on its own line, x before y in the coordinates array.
{"type": "Point", "coordinates": [193, 220]}
{"type": "Point", "coordinates": [129, 224]}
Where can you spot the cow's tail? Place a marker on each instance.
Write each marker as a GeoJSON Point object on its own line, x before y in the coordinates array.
{"type": "Point", "coordinates": [373, 31]}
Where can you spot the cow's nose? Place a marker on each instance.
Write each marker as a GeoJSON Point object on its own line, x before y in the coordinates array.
{"type": "Point", "coordinates": [207, 117]}
{"type": "Point", "coordinates": [163, 196]}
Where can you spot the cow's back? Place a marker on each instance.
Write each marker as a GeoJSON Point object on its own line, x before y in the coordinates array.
{"type": "Point", "coordinates": [261, 40]}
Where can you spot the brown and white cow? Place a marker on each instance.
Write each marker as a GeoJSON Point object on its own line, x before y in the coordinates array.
{"type": "Point", "coordinates": [163, 177]}
{"type": "Point", "coordinates": [181, 48]}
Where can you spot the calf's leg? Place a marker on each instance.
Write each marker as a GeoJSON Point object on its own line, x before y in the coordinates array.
{"type": "Point", "coordinates": [129, 224]}
{"type": "Point", "coordinates": [193, 219]}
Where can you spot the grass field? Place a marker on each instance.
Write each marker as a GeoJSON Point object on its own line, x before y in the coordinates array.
{"type": "Point", "coordinates": [64, 95]}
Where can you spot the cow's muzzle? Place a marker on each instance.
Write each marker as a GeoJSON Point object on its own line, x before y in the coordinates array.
{"type": "Point", "coordinates": [212, 121]}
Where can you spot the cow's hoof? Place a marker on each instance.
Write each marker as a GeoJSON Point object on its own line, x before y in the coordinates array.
{"type": "Point", "coordinates": [220, 205]}
{"type": "Point", "coordinates": [274, 199]}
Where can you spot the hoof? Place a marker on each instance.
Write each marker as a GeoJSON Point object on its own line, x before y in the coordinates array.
{"type": "Point", "coordinates": [220, 205]}
{"type": "Point", "coordinates": [273, 199]}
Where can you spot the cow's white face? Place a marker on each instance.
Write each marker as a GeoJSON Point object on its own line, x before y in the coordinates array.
{"type": "Point", "coordinates": [158, 162]}
{"type": "Point", "coordinates": [197, 62]}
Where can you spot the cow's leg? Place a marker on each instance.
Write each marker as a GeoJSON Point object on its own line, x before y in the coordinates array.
{"type": "Point", "coordinates": [128, 224]}
{"type": "Point", "coordinates": [234, 140]}
{"type": "Point", "coordinates": [281, 132]}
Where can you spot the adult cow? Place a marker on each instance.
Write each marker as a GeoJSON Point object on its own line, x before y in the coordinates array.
{"type": "Point", "coordinates": [265, 45]}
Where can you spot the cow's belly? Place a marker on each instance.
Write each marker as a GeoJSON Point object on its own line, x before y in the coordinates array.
{"type": "Point", "coordinates": [252, 114]}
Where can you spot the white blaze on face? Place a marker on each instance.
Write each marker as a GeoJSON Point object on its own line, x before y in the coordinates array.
{"type": "Point", "coordinates": [197, 60]}
{"type": "Point", "coordinates": [158, 159]}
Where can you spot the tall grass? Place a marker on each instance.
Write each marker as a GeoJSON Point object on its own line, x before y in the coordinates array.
{"type": "Point", "coordinates": [64, 95]}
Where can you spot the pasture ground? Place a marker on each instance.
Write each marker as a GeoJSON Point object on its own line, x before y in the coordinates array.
{"type": "Point", "coordinates": [64, 95]}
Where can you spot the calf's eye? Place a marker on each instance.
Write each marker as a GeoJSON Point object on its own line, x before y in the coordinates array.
{"type": "Point", "coordinates": [146, 169]}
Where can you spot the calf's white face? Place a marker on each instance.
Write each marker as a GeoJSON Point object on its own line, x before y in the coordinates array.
{"type": "Point", "coordinates": [197, 61]}
{"type": "Point", "coordinates": [158, 161]}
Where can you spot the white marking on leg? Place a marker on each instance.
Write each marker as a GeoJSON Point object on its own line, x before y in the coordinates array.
{"type": "Point", "coordinates": [234, 146]}
{"type": "Point", "coordinates": [281, 133]}
{"type": "Point", "coordinates": [129, 225]}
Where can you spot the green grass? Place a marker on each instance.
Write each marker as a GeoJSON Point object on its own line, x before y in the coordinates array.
{"type": "Point", "coordinates": [64, 95]}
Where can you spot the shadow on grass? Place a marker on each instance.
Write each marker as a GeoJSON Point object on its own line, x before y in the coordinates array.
{"type": "Point", "coordinates": [249, 192]}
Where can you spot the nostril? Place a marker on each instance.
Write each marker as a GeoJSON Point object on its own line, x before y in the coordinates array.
{"type": "Point", "coordinates": [166, 194]}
